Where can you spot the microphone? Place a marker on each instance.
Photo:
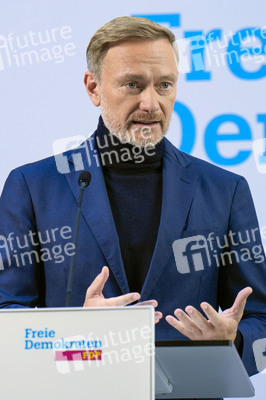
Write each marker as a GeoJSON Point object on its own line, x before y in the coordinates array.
{"type": "Point", "coordinates": [83, 181]}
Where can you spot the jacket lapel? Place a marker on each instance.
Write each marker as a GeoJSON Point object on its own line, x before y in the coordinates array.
{"type": "Point", "coordinates": [179, 183]}
{"type": "Point", "coordinates": [96, 208]}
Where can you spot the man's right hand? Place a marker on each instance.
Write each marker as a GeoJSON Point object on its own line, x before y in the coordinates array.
{"type": "Point", "coordinates": [95, 297]}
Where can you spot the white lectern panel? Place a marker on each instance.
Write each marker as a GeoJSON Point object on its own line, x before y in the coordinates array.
{"type": "Point", "coordinates": [77, 353]}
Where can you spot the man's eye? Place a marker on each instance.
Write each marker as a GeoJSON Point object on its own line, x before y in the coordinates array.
{"type": "Point", "coordinates": [131, 85]}
{"type": "Point", "coordinates": [165, 85]}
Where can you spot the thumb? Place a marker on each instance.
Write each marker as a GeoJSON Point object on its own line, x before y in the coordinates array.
{"type": "Point", "coordinates": [240, 301]}
{"type": "Point", "coordinates": [97, 285]}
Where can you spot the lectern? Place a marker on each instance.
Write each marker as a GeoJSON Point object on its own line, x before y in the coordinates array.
{"type": "Point", "coordinates": [109, 354]}
{"type": "Point", "coordinates": [200, 369]}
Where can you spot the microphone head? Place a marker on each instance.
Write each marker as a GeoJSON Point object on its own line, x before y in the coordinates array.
{"type": "Point", "coordinates": [84, 178]}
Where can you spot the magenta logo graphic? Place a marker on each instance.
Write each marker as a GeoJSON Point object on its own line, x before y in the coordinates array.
{"type": "Point", "coordinates": [73, 355]}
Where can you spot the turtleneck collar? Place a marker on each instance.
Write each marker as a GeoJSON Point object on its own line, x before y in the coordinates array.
{"type": "Point", "coordinates": [115, 154]}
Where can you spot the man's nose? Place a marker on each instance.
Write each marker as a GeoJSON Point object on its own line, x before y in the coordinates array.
{"type": "Point", "coordinates": [149, 101]}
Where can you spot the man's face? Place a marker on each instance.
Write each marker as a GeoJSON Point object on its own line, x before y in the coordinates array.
{"type": "Point", "coordinates": [137, 90]}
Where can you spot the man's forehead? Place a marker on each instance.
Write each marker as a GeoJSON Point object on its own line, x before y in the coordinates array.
{"type": "Point", "coordinates": [159, 50]}
{"type": "Point", "coordinates": [136, 56]}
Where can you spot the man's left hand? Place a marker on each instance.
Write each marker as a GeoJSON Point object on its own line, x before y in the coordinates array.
{"type": "Point", "coordinates": [216, 326]}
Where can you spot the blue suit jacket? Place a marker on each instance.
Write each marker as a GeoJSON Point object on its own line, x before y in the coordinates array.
{"type": "Point", "coordinates": [199, 200]}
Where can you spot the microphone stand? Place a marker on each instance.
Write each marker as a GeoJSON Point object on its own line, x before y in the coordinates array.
{"type": "Point", "coordinates": [83, 184]}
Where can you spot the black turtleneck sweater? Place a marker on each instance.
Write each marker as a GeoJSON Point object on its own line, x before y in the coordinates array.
{"type": "Point", "coordinates": [133, 179]}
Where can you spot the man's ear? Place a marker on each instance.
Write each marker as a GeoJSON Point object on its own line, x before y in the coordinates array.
{"type": "Point", "coordinates": [92, 87]}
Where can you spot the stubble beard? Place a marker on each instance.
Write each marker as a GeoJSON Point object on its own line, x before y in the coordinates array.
{"type": "Point", "coordinates": [141, 137]}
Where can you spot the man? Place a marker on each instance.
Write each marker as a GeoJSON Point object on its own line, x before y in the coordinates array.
{"type": "Point", "coordinates": [148, 209]}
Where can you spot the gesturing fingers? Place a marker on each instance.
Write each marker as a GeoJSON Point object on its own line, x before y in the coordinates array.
{"type": "Point", "coordinates": [234, 313]}
{"type": "Point", "coordinates": [185, 324]}
{"type": "Point", "coordinates": [95, 298]}
{"type": "Point", "coordinates": [176, 324]}
{"type": "Point", "coordinates": [197, 319]}
{"type": "Point", "coordinates": [211, 314]}
{"type": "Point", "coordinates": [123, 300]}
{"type": "Point", "coordinates": [240, 301]}
{"type": "Point", "coordinates": [158, 316]}
{"type": "Point", "coordinates": [195, 326]}
{"type": "Point", "coordinates": [97, 285]}
{"type": "Point", "coordinates": [153, 303]}
{"type": "Point", "coordinates": [216, 326]}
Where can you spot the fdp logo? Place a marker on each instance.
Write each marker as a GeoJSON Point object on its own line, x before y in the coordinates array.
{"type": "Point", "coordinates": [191, 254]}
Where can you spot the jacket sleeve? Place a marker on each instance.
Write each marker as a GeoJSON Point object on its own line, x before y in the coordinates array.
{"type": "Point", "coordinates": [248, 268]}
{"type": "Point", "coordinates": [21, 270]}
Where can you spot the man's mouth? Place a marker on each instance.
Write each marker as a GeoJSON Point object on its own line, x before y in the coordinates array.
{"type": "Point", "coordinates": [145, 122]}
